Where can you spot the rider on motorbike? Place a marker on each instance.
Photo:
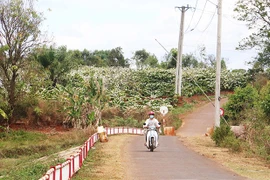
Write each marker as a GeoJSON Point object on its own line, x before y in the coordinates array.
{"type": "Point", "coordinates": [150, 123]}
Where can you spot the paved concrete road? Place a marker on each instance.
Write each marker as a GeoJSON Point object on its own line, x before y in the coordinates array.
{"type": "Point", "coordinates": [170, 161]}
{"type": "Point", "coordinates": [197, 122]}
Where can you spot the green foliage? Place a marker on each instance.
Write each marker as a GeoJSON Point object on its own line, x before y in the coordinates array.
{"type": "Point", "coordinates": [265, 99]}
{"type": "Point", "coordinates": [263, 58]}
{"type": "Point", "coordinates": [221, 133]}
{"type": "Point", "coordinates": [122, 122]}
{"type": "Point", "coordinates": [231, 142]}
{"type": "Point", "coordinates": [188, 60]}
{"type": "Point", "coordinates": [116, 58]}
{"type": "Point", "coordinates": [58, 61]}
{"type": "Point", "coordinates": [33, 171]}
{"type": "Point", "coordinates": [104, 58]}
{"type": "Point", "coordinates": [22, 152]}
{"type": "Point", "coordinates": [154, 87]}
{"type": "Point", "coordinates": [205, 78]}
{"type": "Point", "coordinates": [140, 57]}
{"type": "Point", "coordinates": [20, 34]}
{"type": "Point", "coordinates": [86, 100]}
{"type": "Point", "coordinates": [258, 135]}
{"type": "Point", "coordinates": [156, 83]}
{"type": "Point", "coordinates": [255, 13]}
{"type": "Point", "coordinates": [243, 99]}
{"type": "Point", "coordinates": [20, 136]}
{"type": "Point", "coordinates": [3, 114]}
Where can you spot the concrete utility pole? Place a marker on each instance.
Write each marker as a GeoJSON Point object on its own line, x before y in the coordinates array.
{"type": "Point", "coordinates": [218, 66]}
{"type": "Point", "coordinates": [178, 75]}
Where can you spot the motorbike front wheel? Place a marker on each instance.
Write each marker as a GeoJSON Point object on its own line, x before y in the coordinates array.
{"type": "Point", "coordinates": [152, 144]}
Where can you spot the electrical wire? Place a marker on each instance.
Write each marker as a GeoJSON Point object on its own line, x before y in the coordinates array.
{"type": "Point", "coordinates": [209, 21]}
{"type": "Point", "coordinates": [192, 15]}
{"type": "Point", "coordinates": [195, 84]}
{"type": "Point", "coordinates": [200, 16]}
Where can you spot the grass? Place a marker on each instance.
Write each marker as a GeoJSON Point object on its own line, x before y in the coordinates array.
{"type": "Point", "coordinates": [106, 161]}
{"type": "Point", "coordinates": [119, 121]}
{"type": "Point", "coordinates": [20, 149]}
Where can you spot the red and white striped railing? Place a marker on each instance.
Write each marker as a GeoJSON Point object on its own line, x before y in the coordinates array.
{"type": "Point", "coordinates": [66, 170]}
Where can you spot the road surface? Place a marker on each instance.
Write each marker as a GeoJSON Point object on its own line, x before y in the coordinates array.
{"type": "Point", "coordinates": [172, 160]}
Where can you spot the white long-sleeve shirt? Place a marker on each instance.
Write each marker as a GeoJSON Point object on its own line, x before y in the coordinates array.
{"type": "Point", "coordinates": [151, 122]}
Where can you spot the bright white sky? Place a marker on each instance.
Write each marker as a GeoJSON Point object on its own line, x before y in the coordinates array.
{"type": "Point", "coordinates": [135, 24]}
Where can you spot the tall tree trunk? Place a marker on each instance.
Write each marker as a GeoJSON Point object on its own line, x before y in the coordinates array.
{"type": "Point", "coordinates": [12, 96]}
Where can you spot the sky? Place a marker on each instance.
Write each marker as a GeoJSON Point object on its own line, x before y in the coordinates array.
{"type": "Point", "coordinates": [139, 24]}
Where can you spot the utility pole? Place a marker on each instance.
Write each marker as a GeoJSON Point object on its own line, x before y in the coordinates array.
{"type": "Point", "coordinates": [178, 75]}
{"type": "Point", "coordinates": [218, 66]}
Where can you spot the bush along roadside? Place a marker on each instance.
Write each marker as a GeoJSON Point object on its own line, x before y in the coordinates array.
{"type": "Point", "coordinates": [247, 107]}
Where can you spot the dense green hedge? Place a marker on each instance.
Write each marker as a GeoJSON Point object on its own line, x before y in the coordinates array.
{"type": "Point", "coordinates": [155, 87]}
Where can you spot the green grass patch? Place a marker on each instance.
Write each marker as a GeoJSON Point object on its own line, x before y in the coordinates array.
{"type": "Point", "coordinates": [95, 158]}
{"type": "Point", "coordinates": [124, 122]}
{"type": "Point", "coordinates": [21, 149]}
{"type": "Point", "coordinates": [173, 117]}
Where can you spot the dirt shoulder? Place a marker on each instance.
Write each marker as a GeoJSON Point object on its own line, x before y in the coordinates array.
{"type": "Point", "coordinates": [105, 161]}
{"type": "Point", "coordinates": [240, 163]}
{"type": "Point", "coordinates": [192, 136]}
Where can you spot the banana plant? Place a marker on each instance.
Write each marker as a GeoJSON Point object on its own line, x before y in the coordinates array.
{"type": "Point", "coordinates": [86, 100]}
{"type": "Point", "coordinates": [5, 116]}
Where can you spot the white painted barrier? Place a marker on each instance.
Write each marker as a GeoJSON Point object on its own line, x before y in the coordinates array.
{"type": "Point", "coordinates": [66, 170]}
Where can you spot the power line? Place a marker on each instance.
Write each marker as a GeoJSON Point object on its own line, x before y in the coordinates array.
{"type": "Point", "coordinates": [210, 21]}
{"type": "Point", "coordinates": [200, 16]}
{"type": "Point", "coordinates": [212, 3]}
{"type": "Point", "coordinates": [192, 15]}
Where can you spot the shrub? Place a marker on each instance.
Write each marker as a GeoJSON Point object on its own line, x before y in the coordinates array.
{"type": "Point", "coordinates": [265, 99]}
{"type": "Point", "coordinates": [242, 100]}
{"type": "Point", "coordinates": [221, 133]}
{"type": "Point", "coordinates": [232, 143]}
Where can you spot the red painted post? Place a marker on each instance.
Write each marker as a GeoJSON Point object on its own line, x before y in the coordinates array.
{"type": "Point", "coordinates": [86, 144]}
{"type": "Point", "coordinates": [91, 141]}
{"type": "Point", "coordinates": [69, 168]}
{"type": "Point", "coordinates": [60, 171]}
{"type": "Point", "coordinates": [54, 171]}
{"type": "Point", "coordinates": [80, 158]}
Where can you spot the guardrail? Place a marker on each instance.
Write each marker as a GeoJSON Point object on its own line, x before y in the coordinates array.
{"type": "Point", "coordinates": [66, 170]}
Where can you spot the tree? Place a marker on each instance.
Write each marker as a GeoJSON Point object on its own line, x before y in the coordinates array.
{"type": "Point", "coordinates": [140, 57]}
{"type": "Point", "coordinates": [116, 58]}
{"type": "Point", "coordinates": [172, 58]}
{"type": "Point", "coordinates": [223, 64]}
{"type": "Point", "coordinates": [257, 15]}
{"type": "Point", "coordinates": [19, 34]}
{"type": "Point", "coordinates": [188, 60]}
{"type": "Point", "coordinates": [58, 61]}
{"type": "Point", "coordinates": [152, 61]}
{"type": "Point", "coordinates": [263, 58]}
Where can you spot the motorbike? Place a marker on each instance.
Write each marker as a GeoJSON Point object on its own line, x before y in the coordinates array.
{"type": "Point", "coordinates": [151, 138]}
